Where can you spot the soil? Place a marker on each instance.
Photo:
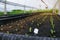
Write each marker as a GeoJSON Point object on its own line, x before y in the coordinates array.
{"type": "Point", "coordinates": [40, 21]}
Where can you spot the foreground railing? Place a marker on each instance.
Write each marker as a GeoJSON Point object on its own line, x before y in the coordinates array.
{"type": "Point", "coordinates": [4, 36]}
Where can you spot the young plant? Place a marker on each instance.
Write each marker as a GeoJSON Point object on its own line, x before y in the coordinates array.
{"type": "Point", "coordinates": [52, 26]}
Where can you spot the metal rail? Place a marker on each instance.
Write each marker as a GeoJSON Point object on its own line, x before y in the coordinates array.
{"type": "Point", "coordinates": [45, 4]}
{"type": "Point", "coordinates": [16, 4]}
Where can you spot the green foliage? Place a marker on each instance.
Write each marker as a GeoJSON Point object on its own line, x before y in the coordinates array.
{"type": "Point", "coordinates": [51, 21]}
{"type": "Point", "coordinates": [30, 29]}
{"type": "Point", "coordinates": [52, 26]}
{"type": "Point", "coordinates": [17, 12]}
{"type": "Point", "coordinates": [1, 13]}
{"type": "Point", "coordinates": [46, 10]}
{"type": "Point", "coordinates": [29, 11]}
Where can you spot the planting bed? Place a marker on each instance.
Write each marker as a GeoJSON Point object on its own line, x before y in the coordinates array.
{"type": "Point", "coordinates": [47, 23]}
